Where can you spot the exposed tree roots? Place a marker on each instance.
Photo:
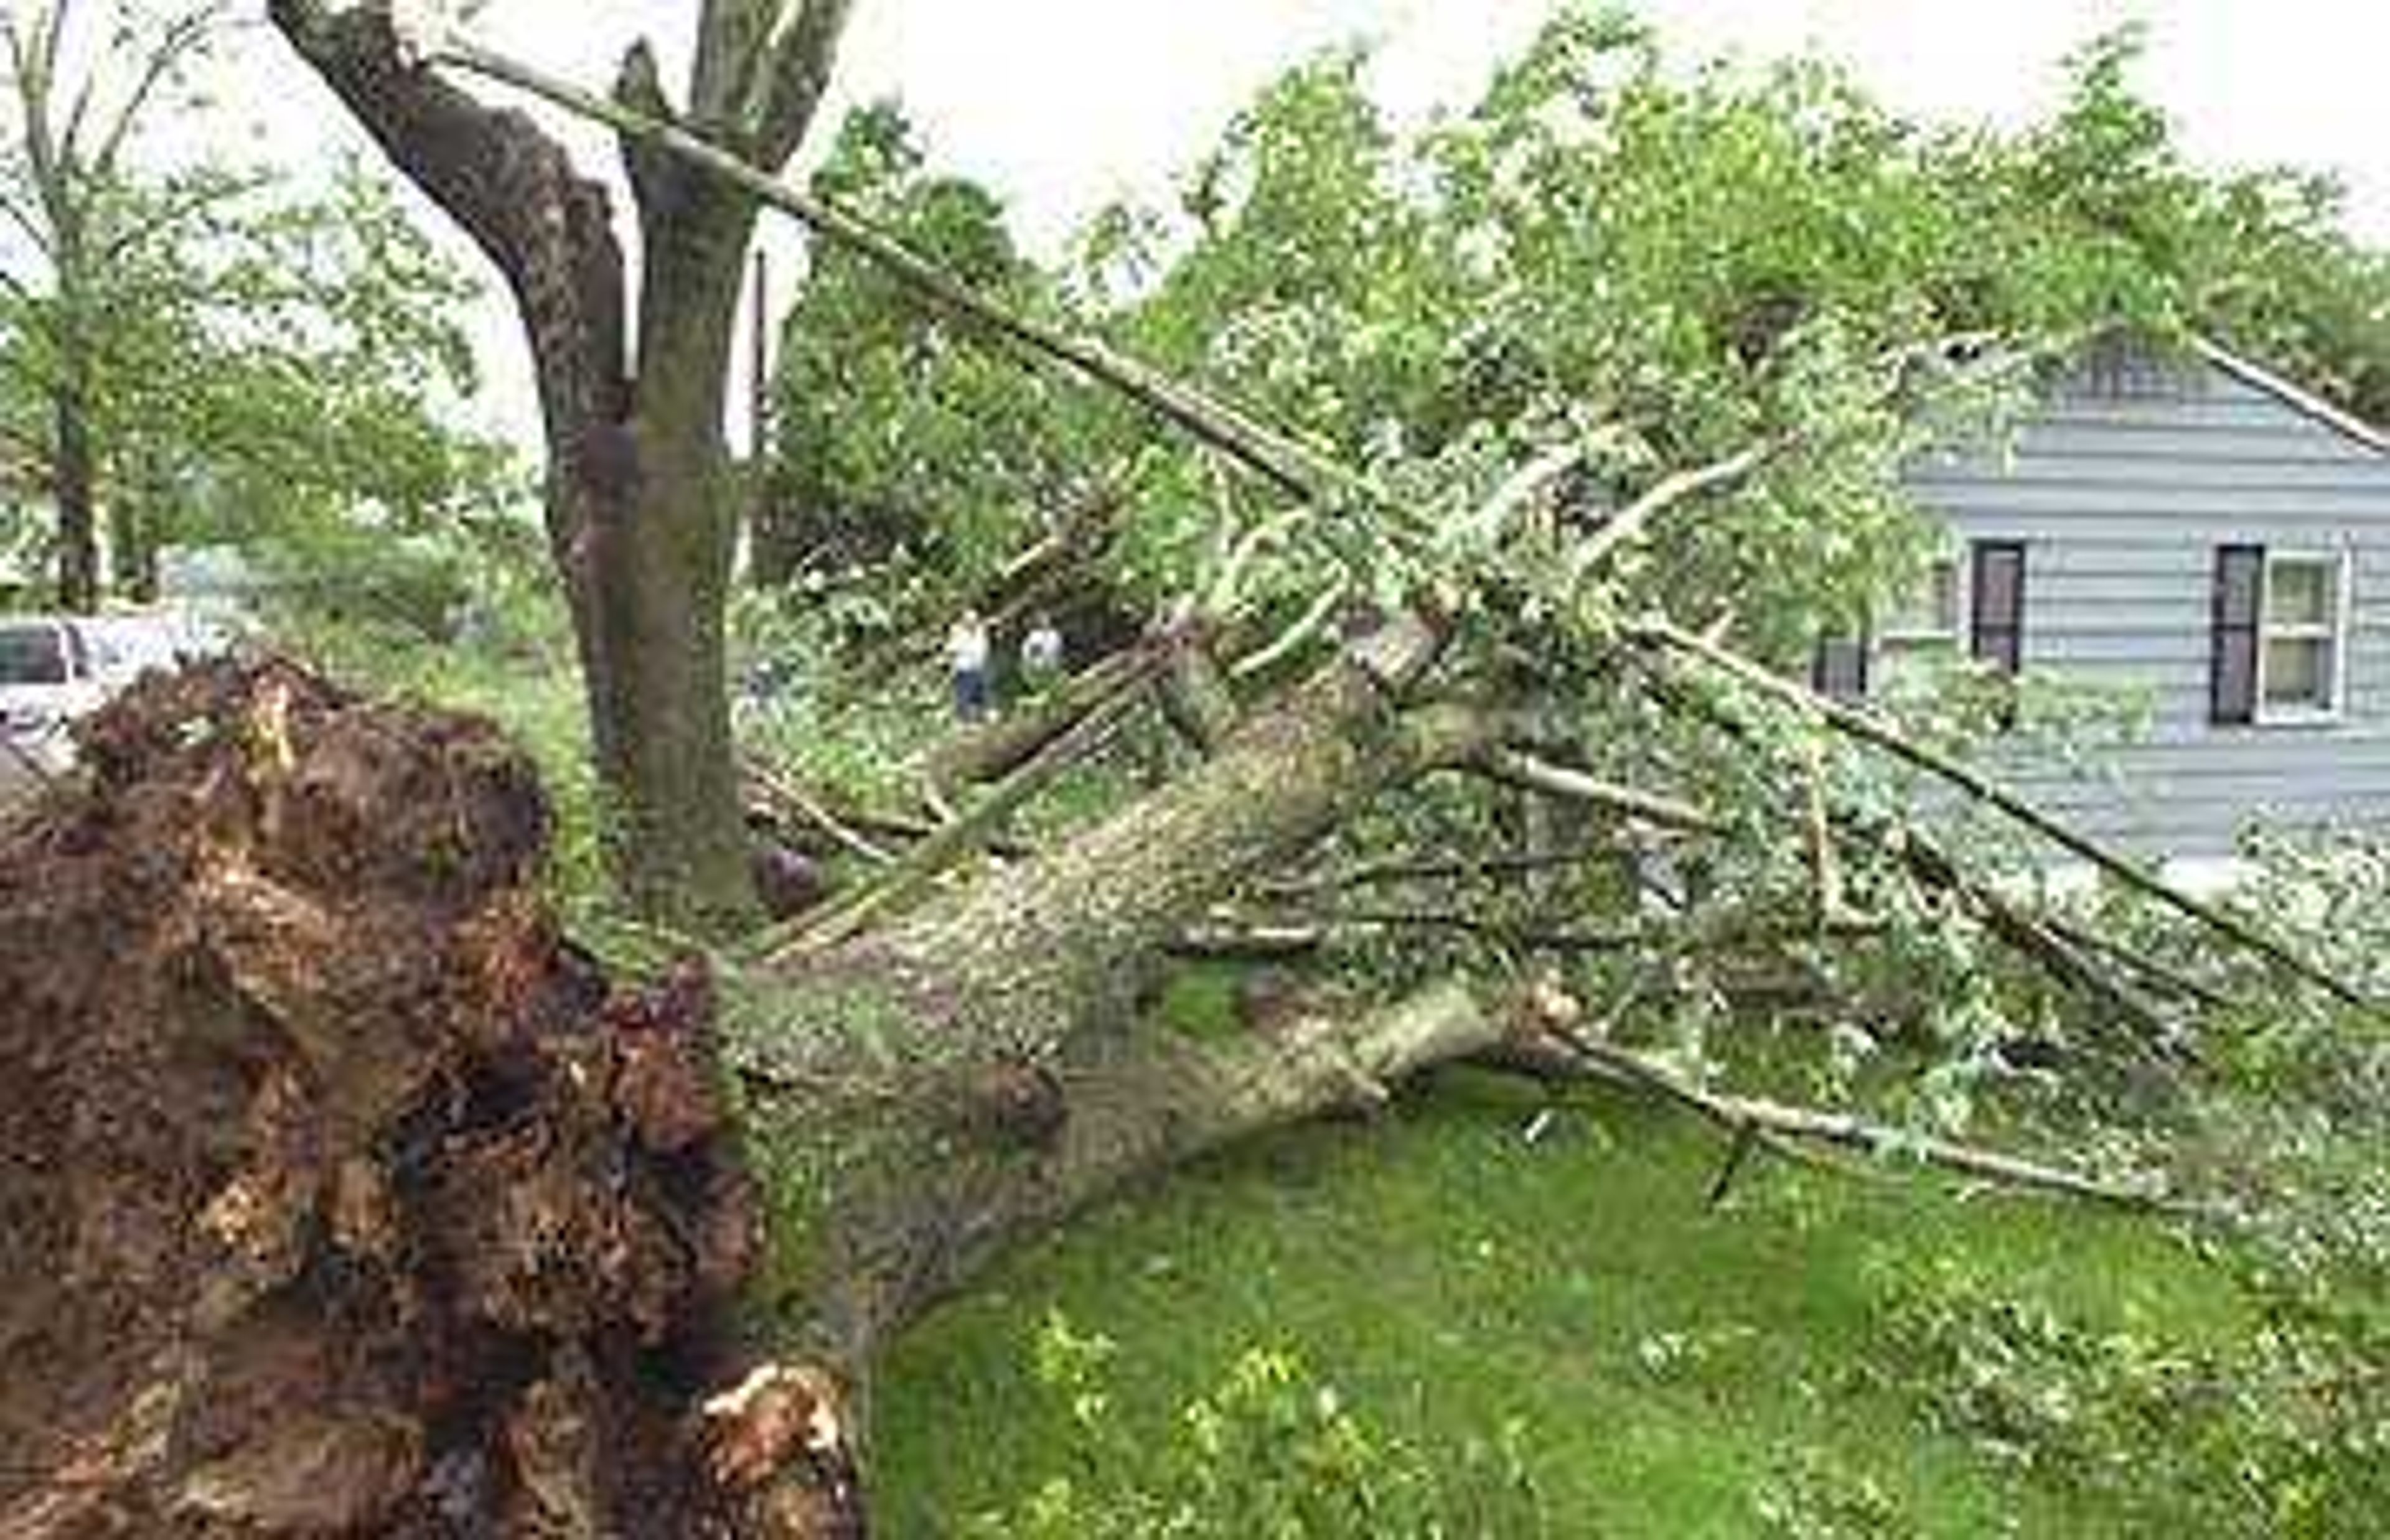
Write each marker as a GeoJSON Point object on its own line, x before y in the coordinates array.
{"type": "Point", "coordinates": [339, 1195]}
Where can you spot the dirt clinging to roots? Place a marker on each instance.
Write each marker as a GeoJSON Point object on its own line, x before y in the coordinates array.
{"type": "Point", "coordinates": [339, 1195]}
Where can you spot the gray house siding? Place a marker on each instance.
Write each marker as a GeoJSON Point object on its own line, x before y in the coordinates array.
{"type": "Point", "coordinates": [2122, 489]}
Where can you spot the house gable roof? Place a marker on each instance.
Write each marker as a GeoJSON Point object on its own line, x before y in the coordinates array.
{"type": "Point", "coordinates": [2300, 400]}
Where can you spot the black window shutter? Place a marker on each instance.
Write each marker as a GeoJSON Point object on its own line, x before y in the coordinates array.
{"type": "Point", "coordinates": [2232, 668]}
{"type": "Point", "coordinates": [1998, 604]}
{"type": "Point", "coordinates": [1838, 669]}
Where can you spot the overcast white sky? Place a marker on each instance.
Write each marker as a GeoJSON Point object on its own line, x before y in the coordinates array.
{"type": "Point", "coordinates": [1063, 105]}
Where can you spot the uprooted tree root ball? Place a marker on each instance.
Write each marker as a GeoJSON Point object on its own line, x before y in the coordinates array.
{"type": "Point", "coordinates": [341, 1196]}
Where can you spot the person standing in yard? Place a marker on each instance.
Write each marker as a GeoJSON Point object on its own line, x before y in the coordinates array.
{"type": "Point", "coordinates": [967, 656]}
{"type": "Point", "coordinates": [1041, 655]}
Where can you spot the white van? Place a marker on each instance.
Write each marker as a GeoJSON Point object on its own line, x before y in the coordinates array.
{"type": "Point", "coordinates": [54, 669]}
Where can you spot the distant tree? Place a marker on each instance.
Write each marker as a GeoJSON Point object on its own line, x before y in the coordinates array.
{"type": "Point", "coordinates": [895, 430]}
{"type": "Point", "coordinates": [64, 191]}
{"type": "Point", "coordinates": [2261, 259]}
{"type": "Point", "coordinates": [181, 340]}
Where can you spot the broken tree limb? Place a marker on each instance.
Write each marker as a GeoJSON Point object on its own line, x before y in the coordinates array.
{"type": "Point", "coordinates": [1745, 1138]}
{"type": "Point", "coordinates": [1387, 873]}
{"type": "Point", "coordinates": [882, 829]}
{"type": "Point", "coordinates": [1841, 1130]}
{"type": "Point", "coordinates": [1282, 935]}
{"type": "Point", "coordinates": [1630, 523]}
{"type": "Point", "coordinates": [1313, 620]}
{"type": "Point", "coordinates": [950, 844]}
{"type": "Point", "coordinates": [2136, 961]}
{"type": "Point", "coordinates": [2034, 936]}
{"type": "Point", "coordinates": [1825, 871]}
{"type": "Point", "coordinates": [1295, 467]}
{"type": "Point", "coordinates": [1868, 730]}
{"type": "Point", "coordinates": [1521, 490]}
{"type": "Point", "coordinates": [1226, 595]}
{"type": "Point", "coordinates": [994, 750]}
{"type": "Point", "coordinates": [1514, 768]}
{"type": "Point", "coordinates": [2155, 1040]}
{"type": "Point", "coordinates": [784, 794]}
{"type": "Point", "coordinates": [1087, 525]}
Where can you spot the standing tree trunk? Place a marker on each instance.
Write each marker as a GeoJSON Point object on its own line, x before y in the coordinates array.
{"type": "Point", "coordinates": [642, 512]}
{"type": "Point", "coordinates": [73, 471]}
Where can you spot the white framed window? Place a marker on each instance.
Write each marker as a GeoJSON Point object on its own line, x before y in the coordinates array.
{"type": "Point", "coordinates": [2302, 627]}
{"type": "Point", "coordinates": [2281, 643]}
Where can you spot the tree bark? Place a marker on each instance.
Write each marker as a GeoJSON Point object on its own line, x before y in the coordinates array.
{"type": "Point", "coordinates": [1025, 1149]}
{"type": "Point", "coordinates": [896, 1084]}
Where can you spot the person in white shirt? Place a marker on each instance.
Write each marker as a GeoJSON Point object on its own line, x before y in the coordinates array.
{"type": "Point", "coordinates": [1041, 654]}
{"type": "Point", "coordinates": [967, 656]}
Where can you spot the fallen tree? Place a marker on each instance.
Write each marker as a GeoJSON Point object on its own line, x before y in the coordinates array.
{"type": "Point", "coordinates": [346, 1195]}
{"type": "Point", "coordinates": [358, 1202]}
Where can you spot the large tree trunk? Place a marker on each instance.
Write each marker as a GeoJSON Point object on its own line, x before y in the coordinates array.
{"type": "Point", "coordinates": [74, 471]}
{"type": "Point", "coordinates": [897, 1078]}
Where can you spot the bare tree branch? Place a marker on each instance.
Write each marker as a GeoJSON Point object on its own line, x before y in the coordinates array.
{"type": "Point", "coordinates": [1738, 1114]}
{"type": "Point", "coordinates": [1513, 768]}
{"type": "Point", "coordinates": [1295, 467]}
{"type": "Point", "coordinates": [182, 37]}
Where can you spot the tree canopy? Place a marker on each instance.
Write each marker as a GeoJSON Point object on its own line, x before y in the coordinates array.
{"type": "Point", "coordinates": [1658, 267]}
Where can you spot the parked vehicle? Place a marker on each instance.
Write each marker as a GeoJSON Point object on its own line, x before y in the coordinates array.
{"type": "Point", "coordinates": [57, 669]}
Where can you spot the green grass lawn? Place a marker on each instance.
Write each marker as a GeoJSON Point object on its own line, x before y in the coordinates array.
{"type": "Point", "coordinates": [1445, 1273]}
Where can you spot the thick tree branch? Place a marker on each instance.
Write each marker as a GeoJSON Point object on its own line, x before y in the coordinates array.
{"type": "Point", "coordinates": [794, 73]}
{"type": "Point", "coordinates": [1117, 1107]}
{"type": "Point", "coordinates": [513, 191]}
{"type": "Point", "coordinates": [997, 749]}
{"type": "Point", "coordinates": [1010, 963]}
{"type": "Point", "coordinates": [1293, 935]}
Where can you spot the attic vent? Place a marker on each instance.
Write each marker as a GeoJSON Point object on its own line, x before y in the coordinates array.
{"type": "Point", "coordinates": [2121, 369]}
